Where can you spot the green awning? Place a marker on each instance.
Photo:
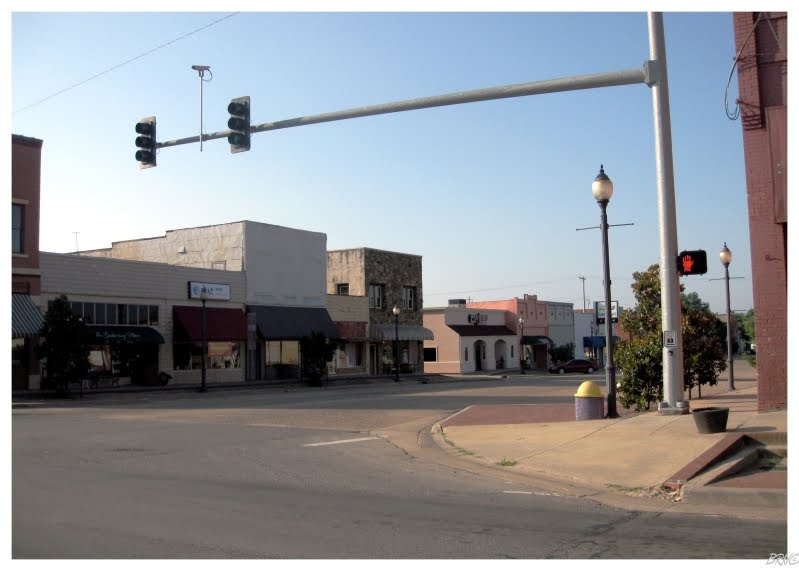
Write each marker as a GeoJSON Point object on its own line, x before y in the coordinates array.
{"type": "Point", "coordinates": [26, 320]}
{"type": "Point", "coordinates": [537, 340]}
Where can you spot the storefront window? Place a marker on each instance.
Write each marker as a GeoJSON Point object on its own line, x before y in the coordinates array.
{"type": "Point", "coordinates": [187, 356]}
{"type": "Point", "coordinates": [282, 352]}
{"type": "Point", "coordinates": [224, 355]}
{"type": "Point", "coordinates": [100, 359]}
{"type": "Point", "coordinates": [282, 359]}
{"type": "Point", "coordinates": [221, 355]}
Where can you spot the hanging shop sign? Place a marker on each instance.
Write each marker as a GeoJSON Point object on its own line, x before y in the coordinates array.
{"type": "Point", "coordinates": [219, 292]}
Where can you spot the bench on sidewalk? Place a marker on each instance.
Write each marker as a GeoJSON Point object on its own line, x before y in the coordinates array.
{"type": "Point", "coordinates": [97, 381]}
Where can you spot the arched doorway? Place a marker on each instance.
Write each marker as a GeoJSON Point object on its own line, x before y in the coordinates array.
{"type": "Point", "coordinates": [479, 355]}
{"type": "Point", "coordinates": [500, 353]}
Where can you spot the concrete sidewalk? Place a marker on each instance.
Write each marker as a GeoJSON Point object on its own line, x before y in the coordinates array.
{"type": "Point", "coordinates": [633, 453]}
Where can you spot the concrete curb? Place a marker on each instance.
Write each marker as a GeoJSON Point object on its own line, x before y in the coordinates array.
{"type": "Point", "coordinates": [738, 497]}
{"type": "Point", "coordinates": [20, 397]}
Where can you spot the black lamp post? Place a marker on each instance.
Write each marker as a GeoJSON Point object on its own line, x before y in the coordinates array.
{"type": "Point", "coordinates": [726, 258]}
{"type": "Point", "coordinates": [602, 189]}
{"type": "Point", "coordinates": [204, 298]}
{"type": "Point", "coordinates": [521, 344]}
{"type": "Point", "coordinates": [396, 312]}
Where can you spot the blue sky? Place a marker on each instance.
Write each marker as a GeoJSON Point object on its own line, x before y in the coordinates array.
{"type": "Point", "coordinates": [490, 193]}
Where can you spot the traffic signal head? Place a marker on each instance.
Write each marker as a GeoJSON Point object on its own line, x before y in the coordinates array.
{"type": "Point", "coordinates": [239, 124]}
{"type": "Point", "coordinates": [146, 142]}
{"type": "Point", "coordinates": [692, 262]}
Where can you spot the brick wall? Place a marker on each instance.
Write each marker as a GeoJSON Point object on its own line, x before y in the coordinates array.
{"type": "Point", "coordinates": [26, 154]}
{"type": "Point", "coordinates": [762, 80]}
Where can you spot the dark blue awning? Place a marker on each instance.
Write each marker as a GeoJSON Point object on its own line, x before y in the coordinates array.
{"type": "Point", "coordinates": [598, 341]}
{"type": "Point", "coordinates": [595, 341]}
{"type": "Point", "coordinates": [292, 323]}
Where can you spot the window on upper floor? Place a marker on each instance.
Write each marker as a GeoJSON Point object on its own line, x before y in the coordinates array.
{"type": "Point", "coordinates": [377, 296]}
{"type": "Point", "coordinates": [342, 289]}
{"type": "Point", "coordinates": [17, 228]}
{"type": "Point", "coordinates": [409, 298]}
{"type": "Point", "coordinates": [114, 314]}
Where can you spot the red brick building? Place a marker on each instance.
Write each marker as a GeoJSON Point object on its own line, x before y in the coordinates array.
{"type": "Point", "coordinates": [761, 40]}
{"type": "Point", "coordinates": [26, 279]}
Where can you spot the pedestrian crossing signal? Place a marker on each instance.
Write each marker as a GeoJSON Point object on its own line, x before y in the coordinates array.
{"type": "Point", "coordinates": [692, 262]}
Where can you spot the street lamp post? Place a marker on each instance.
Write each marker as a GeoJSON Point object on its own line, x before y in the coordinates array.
{"type": "Point", "coordinates": [396, 312]}
{"type": "Point", "coordinates": [602, 189]}
{"type": "Point", "coordinates": [204, 298]}
{"type": "Point", "coordinates": [521, 344]}
{"type": "Point", "coordinates": [726, 258]}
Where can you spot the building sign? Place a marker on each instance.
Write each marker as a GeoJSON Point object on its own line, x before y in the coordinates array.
{"type": "Point", "coordinates": [477, 318]}
{"type": "Point", "coordinates": [600, 311]}
{"type": "Point", "coordinates": [215, 291]}
{"type": "Point", "coordinates": [109, 337]}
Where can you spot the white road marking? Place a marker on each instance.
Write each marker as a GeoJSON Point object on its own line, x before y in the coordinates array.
{"type": "Point", "coordinates": [343, 441]}
{"type": "Point", "coordinates": [531, 493]}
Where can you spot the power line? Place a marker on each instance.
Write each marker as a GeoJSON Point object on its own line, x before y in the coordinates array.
{"type": "Point", "coordinates": [525, 285]}
{"type": "Point", "coordinates": [110, 69]}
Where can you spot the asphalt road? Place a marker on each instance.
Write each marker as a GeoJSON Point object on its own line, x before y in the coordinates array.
{"type": "Point", "coordinates": [302, 474]}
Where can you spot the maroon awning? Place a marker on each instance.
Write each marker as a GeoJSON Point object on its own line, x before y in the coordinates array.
{"type": "Point", "coordinates": [221, 324]}
{"type": "Point", "coordinates": [351, 330]}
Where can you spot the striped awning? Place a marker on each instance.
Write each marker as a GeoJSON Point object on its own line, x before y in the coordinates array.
{"type": "Point", "coordinates": [26, 320]}
{"type": "Point", "coordinates": [386, 332]}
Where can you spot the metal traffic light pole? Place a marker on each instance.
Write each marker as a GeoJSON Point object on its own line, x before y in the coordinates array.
{"type": "Point", "coordinates": [608, 79]}
{"type": "Point", "coordinates": [653, 74]}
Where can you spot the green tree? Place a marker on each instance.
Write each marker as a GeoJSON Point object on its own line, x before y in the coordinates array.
{"type": "Point", "coordinates": [746, 325]}
{"type": "Point", "coordinates": [561, 353]}
{"type": "Point", "coordinates": [640, 360]}
{"type": "Point", "coordinates": [65, 346]}
{"type": "Point", "coordinates": [693, 301]}
{"type": "Point", "coordinates": [704, 348]}
{"type": "Point", "coordinates": [316, 352]}
{"type": "Point", "coordinates": [641, 366]}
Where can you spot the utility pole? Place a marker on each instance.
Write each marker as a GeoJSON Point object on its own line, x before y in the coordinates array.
{"type": "Point", "coordinates": [77, 250]}
{"type": "Point", "coordinates": [583, 278]}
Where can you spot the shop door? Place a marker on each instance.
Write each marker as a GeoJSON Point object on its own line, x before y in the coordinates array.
{"type": "Point", "coordinates": [19, 369]}
{"type": "Point", "coordinates": [373, 361]}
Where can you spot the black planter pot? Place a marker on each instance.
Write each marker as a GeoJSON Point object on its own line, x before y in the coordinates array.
{"type": "Point", "coordinates": [711, 419]}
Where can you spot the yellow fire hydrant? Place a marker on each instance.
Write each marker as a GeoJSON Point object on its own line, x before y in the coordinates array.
{"type": "Point", "coordinates": [589, 402]}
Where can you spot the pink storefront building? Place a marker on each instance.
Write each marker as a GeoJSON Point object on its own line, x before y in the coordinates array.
{"type": "Point", "coordinates": [468, 340]}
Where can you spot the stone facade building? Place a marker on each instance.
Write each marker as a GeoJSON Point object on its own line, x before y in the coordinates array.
{"type": "Point", "coordinates": [350, 314]}
{"type": "Point", "coordinates": [387, 280]}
